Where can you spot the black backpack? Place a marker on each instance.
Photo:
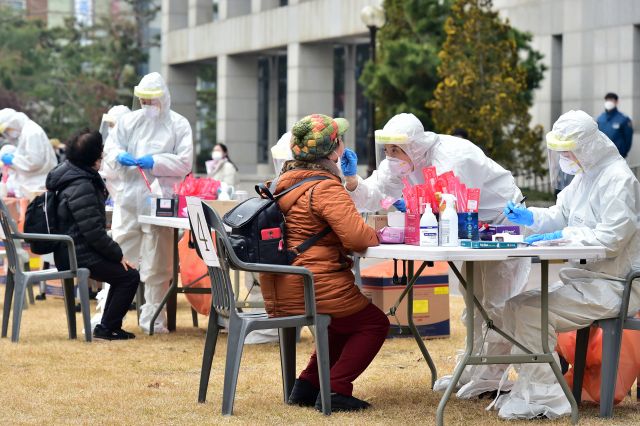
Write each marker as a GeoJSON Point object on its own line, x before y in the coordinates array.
{"type": "Point", "coordinates": [41, 217]}
{"type": "Point", "coordinates": [250, 218]}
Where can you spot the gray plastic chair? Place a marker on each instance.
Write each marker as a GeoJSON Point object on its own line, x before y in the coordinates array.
{"type": "Point", "coordinates": [223, 314]}
{"type": "Point", "coordinates": [611, 343]}
{"type": "Point", "coordinates": [18, 281]}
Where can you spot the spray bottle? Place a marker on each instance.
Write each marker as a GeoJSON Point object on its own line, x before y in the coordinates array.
{"type": "Point", "coordinates": [428, 228]}
{"type": "Point", "coordinates": [448, 222]}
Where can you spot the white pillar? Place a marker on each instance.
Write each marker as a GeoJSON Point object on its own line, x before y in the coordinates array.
{"type": "Point", "coordinates": [200, 12]}
{"type": "Point", "coordinates": [350, 94]}
{"type": "Point", "coordinates": [309, 80]}
{"type": "Point", "coordinates": [237, 116]}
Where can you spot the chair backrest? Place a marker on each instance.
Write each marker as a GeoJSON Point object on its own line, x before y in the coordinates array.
{"type": "Point", "coordinates": [222, 298]}
{"type": "Point", "coordinates": [626, 295]}
{"type": "Point", "coordinates": [9, 243]}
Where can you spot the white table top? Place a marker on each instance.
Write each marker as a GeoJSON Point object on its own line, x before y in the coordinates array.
{"type": "Point", "coordinates": [408, 252]}
{"type": "Point", "coordinates": [169, 222]}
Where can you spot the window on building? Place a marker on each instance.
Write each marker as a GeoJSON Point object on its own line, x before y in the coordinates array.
{"type": "Point", "coordinates": [206, 104]}
{"type": "Point", "coordinates": [284, 2]}
{"type": "Point", "coordinates": [16, 4]}
{"type": "Point", "coordinates": [215, 10]}
{"type": "Point", "coordinates": [362, 105]}
{"type": "Point", "coordinates": [282, 95]}
{"type": "Point", "coordinates": [263, 111]}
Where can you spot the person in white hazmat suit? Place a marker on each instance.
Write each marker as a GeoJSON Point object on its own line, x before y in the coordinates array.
{"type": "Point", "coordinates": [33, 158]}
{"type": "Point", "coordinates": [601, 206]}
{"type": "Point", "coordinates": [495, 281]}
{"type": "Point", "coordinates": [109, 120]}
{"type": "Point", "coordinates": [160, 142]}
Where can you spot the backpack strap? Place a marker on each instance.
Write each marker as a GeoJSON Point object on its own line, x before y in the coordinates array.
{"type": "Point", "coordinates": [261, 188]}
{"type": "Point", "coordinates": [309, 242]}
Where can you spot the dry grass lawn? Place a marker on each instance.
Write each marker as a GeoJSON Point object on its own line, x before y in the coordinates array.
{"type": "Point", "coordinates": [49, 380]}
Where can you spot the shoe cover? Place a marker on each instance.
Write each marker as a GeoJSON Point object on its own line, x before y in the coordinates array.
{"type": "Point", "coordinates": [146, 313]}
{"type": "Point", "coordinates": [474, 388]}
{"type": "Point", "coordinates": [533, 401]}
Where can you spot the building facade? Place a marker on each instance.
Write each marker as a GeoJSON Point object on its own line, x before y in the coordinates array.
{"type": "Point", "coordinates": [275, 62]}
{"type": "Point", "coordinates": [591, 47]}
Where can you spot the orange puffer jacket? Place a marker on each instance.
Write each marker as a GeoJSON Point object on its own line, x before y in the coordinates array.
{"type": "Point", "coordinates": [336, 292]}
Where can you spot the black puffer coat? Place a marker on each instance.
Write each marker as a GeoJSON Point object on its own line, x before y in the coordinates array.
{"type": "Point", "coordinates": [81, 213]}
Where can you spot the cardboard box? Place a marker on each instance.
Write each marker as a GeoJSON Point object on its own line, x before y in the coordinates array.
{"type": "Point", "coordinates": [499, 229]}
{"type": "Point", "coordinates": [468, 226]}
{"type": "Point", "coordinates": [430, 302]}
{"type": "Point", "coordinates": [182, 203]}
{"type": "Point", "coordinates": [377, 221]}
{"type": "Point", "coordinates": [222, 207]}
{"type": "Point", "coordinates": [412, 229]}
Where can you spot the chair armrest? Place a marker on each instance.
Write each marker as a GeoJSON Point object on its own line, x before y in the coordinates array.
{"type": "Point", "coordinates": [73, 264]}
{"type": "Point", "coordinates": [306, 274]}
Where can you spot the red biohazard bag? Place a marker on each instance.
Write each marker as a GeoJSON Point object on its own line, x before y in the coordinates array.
{"type": "Point", "coordinates": [628, 368]}
{"type": "Point", "coordinates": [191, 268]}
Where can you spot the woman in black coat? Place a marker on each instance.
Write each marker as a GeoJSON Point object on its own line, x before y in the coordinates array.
{"type": "Point", "coordinates": [81, 215]}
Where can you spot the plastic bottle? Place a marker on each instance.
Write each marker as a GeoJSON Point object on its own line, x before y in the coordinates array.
{"type": "Point", "coordinates": [449, 222]}
{"type": "Point", "coordinates": [428, 228]}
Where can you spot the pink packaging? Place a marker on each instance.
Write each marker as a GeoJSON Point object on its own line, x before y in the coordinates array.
{"type": "Point", "coordinates": [412, 229]}
{"type": "Point", "coordinates": [182, 203]}
{"type": "Point", "coordinates": [430, 176]}
{"type": "Point", "coordinates": [388, 202]}
{"type": "Point", "coordinates": [423, 197]}
{"type": "Point", "coordinates": [391, 235]}
{"type": "Point", "coordinates": [473, 199]}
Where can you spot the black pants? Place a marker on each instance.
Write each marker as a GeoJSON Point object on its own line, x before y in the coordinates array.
{"type": "Point", "coordinates": [121, 293]}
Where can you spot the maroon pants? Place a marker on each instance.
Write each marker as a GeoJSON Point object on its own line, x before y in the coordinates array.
{"type": "Point", "coordinates": [353, 343]}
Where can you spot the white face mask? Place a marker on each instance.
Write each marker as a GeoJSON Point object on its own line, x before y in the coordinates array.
{"type": "Point", "coordinates": [398, 167]}
{"type": "Point", "coordinates": [569, 167]}
{"type": "Point", "coordinates": [608, 105]}
{"type": "Point", "coordinates": [151, 111]}
{"type": "Point", "coordinates": [13, 134]}
{"type": "Point", "coordinates": [216, 155]}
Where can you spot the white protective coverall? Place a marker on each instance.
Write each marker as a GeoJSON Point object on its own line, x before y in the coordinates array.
{"type": "Point", "coordinates": [112, 176]}
{"type": "Point", "coordinates": [494, 282]}
{"type": "Point", "coordinates": [599, 207]}
{"type": "Point", "coordinates": [169, 140]}
{"type": "Point", "coordinates": [34, 156]}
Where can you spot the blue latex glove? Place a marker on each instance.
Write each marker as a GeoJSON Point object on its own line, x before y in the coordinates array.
{"type": "Point", "coordinates": [400, 206]}
{"type": "Point", "coordinates": [519, 215]}
{"type": "Point", "coordinates": [544, 237]}
{"type": "Point", "coordinates": [126, 159]}
{"type": "Point", "coordinates": [145, 162]}
{"type": "Point", "coordinates": [8, 159]}
{"type": "Point", "coordinates": [349, 163]}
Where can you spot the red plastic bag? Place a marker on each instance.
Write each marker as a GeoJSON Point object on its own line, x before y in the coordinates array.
{"type": "Point", "coordinates": [191, 268]}
{"type": "Point", "coordinates": [628, 368]}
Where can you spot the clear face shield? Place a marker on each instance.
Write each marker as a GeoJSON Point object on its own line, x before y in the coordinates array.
{"type": "Point", "coordinates": [393, 146]}
{"type": "Point", "coordinates": [108, 121]}
{"type": "Point", "coordinates": [10, 134]}
{"type": "Point", "coordinates": [148, 101]}
{"type": "Point", "coordinates": [563, 164]}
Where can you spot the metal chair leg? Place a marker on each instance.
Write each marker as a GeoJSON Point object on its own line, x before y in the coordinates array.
{"type": "Point", "coordinates": [194, 317]}
{"type": "Point", "coordinates": [287, 359]}
{"type": "Point", "coordinates": [207, 359]}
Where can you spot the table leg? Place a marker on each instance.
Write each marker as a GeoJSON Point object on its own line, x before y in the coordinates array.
{"type": "Point", "coordinates": [170, 298]}
{"type": "Point", "coordinates": [545, 340]}
{"type": "Point", "coordinates": [469, 301]}
{"type": "Point", "coordinates": [414, 330]}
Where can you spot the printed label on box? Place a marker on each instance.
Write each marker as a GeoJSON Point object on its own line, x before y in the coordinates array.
{"type": "Point", "coordinates": [441, 290]}
{"type": "Point", "coordinates": [165, 204]}
{"type": "Point", "coordinates": [421, 306]}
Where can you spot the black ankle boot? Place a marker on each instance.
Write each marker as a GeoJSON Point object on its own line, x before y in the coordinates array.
{"type": "Point", "coordinates": [341, 402]}
{"type": "Point", "coordinates": [304, 394]}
